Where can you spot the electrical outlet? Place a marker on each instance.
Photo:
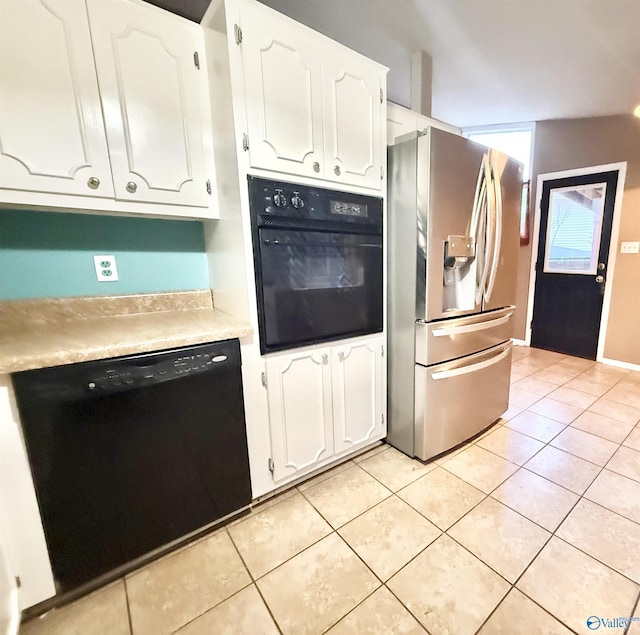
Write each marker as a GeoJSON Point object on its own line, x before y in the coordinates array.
{"type": "Point", "coordinates": [106, 269]}
{"type": "Point", "coordinates": [630, 247]}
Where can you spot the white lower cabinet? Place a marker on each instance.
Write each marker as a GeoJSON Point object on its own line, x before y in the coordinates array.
{"type": "Point", "coordinates": [300, 416]}
{"type": "Point", "coordinates": [358, 388]}
{"type": "Point", "coordinates": [323, 402]}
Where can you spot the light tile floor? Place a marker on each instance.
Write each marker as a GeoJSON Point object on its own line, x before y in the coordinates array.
{"type": "Point", "coordinates": [533, 527]}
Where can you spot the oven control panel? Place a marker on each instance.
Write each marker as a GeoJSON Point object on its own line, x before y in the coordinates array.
{"type": "Point", "coordinates": [302, 203]}
{"type": "Point", "coordinates": [281, 200]}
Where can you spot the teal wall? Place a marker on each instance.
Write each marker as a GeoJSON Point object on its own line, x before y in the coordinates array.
{"type": "Point", "coordinates": [49, 254]}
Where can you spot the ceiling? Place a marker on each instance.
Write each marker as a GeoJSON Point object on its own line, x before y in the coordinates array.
{"type": "Point", "coordinates": [494, 61]}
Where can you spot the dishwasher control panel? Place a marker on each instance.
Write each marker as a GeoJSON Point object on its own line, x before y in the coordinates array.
{"type": "Point", "coordinates": [137, 376]}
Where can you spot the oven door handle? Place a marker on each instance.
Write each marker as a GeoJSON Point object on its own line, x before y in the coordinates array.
{"type": "Point", "coordinates": [267, 242]}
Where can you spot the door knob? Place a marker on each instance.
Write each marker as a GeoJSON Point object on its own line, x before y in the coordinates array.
{"type": "Point", "coordinates": [599, 279]}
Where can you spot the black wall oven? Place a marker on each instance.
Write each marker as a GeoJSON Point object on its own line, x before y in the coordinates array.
{"type": "Point", "coordinates": [318, 263]}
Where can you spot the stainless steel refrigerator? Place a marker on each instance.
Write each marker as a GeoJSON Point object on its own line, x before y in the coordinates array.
{"type": "Point", "coordinates": [453, 218]}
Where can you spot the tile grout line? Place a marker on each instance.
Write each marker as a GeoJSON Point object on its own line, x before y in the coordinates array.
{"type": "Point", "coordinates": [126, 595]}
{"type": "Point", "coordinates": [551, 534]}
{"type": "Point", "coordinates": [554, 533]}
{"type": "Point", "coordinates": [415, 617]}
{"type": "Point", "coordinates": [608, 566]}
{"type": "Point", "coordinates": [253, 582]}
{"type": "Point", "coordinates": [633, 611]}
{"type": "Point", "coordinates": [222, 529]}
{"type": "Point", "coordinates": [445, 532]}
{"type": "Point", "coordinates": [392, 493]}
{"type": "Point", "coordinates": [351, 610]}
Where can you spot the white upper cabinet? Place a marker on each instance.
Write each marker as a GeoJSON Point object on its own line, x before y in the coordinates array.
{"type": "Point", "coordinates": [358, 393]}
{"type": "Point", "coordinates": [52, 137]}
{"type": "Point", "coordinates": [106, 104]}
{"type": "Point", "coordinates": [300, 415]}
{"type": "Point", "coordinates": [313, 107]}
{"type": "Point", "coordinates": [154, 100]}
{"type": "Point", "coordinates": [283, 93]}
{"type": "Point", "coordinates": [353, 96]}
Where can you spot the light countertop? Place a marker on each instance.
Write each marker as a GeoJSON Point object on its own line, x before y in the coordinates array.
{"type": "Point", "coordinates": [43, 333]}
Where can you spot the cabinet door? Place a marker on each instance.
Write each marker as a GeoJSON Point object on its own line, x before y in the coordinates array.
{"type": "Point", "coordinates": [400, 121]}
{"type": "Point", "coordinates": [353, 126]}
{"type": "Point", "coordinates": [52, 136]}
{"type": "Point", "coordinates": [283, 92]}
{"type": "Point", "coordinates": [154, 99]}
{"type": "Point", "coordinates": [300, 417]}
{"type": "Point", "coordinates": [358, 391]}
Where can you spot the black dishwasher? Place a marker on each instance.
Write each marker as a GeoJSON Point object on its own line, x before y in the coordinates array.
{"type": "Point", "coordinates": [133, 454]}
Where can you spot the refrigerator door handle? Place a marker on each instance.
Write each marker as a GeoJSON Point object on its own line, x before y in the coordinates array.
{"type": "Point", "coordinates": [471, 368]}
{"type": "Point", "coordinates": [470, 328]}
{"type": "Point", "coordinates": [475, 214]}
{"type": "Point", "coordinates": [478, 228]}
{"type": "Point", "coordinates": [486, 207]}
{"type": "Point", "coordinates": [497, 198]}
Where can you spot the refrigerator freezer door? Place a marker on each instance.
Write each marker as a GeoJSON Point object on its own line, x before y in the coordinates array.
{"type": "Point", "coordinates": [449, 179]}
{"type": "Point", "coordinates": [438, 342]}
{"type": "Point", "coordinates": [457, 400]}
{"type": "Point", "coordinates": [501, 280]}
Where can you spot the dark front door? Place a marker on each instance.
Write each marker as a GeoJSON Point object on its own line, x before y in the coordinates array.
{"type": "Point", "coordinates": [576, 214]}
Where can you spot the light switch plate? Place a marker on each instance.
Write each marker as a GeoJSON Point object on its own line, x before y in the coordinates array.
{"type": "Point", "coordinates": [106, 269]}
{"type": "Point", "coordinates": [632, 247]}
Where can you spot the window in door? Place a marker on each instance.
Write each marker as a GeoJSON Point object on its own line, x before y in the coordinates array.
{"type": "Point", "coordinates": [574, 227]}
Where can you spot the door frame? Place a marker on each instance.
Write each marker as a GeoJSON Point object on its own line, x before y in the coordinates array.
{"type": "Point", "coordinates": [621, 168]}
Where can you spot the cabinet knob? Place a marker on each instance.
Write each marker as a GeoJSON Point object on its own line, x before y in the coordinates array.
{"type": "Point", "coordinates": [325, 359]}
{"type": "Point", "coordinates": [599, 279]}
{"type": "Point", "coordinates": [336, 170]}
{"type": "Point", "coordinates": [341, 356]}
{"type": "Point", "coordinates": [316, 166]}
{"type": "Point", "coordinates": [131, 187]}
{"type": "Point", "coordinates": [93, 182]}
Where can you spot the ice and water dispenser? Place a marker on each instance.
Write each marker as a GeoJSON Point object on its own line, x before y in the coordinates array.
{"type": "Point", "coordinates": [459, 273]}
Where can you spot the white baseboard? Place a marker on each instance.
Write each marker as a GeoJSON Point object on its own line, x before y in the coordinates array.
{"type": "Point", "coordinates": [519, 342]}
{"type": "Point", "coordinates": [619, 364]}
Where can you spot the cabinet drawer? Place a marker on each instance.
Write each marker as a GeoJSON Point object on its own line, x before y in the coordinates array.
{"type": "Point", "coordinates": [449, 339]}
{"type": "Point", "coordinates": [456, 400]}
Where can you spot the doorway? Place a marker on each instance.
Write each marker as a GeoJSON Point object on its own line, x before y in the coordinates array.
{"type": "Point", "coordinates": [572, 261]}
